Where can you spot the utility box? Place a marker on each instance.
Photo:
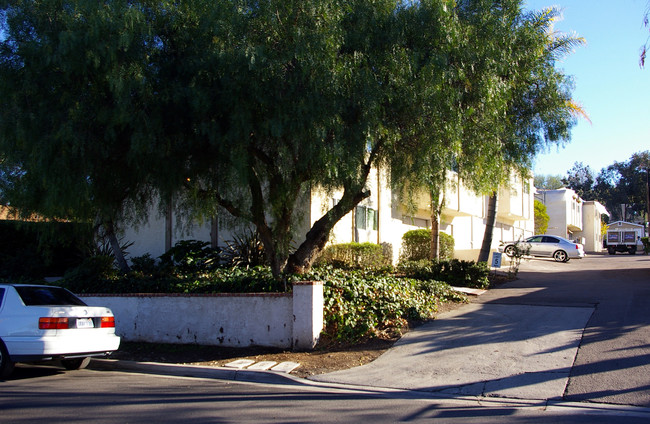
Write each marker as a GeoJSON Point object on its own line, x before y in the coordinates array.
{"type": "Point", "coordinates": [624, 237]}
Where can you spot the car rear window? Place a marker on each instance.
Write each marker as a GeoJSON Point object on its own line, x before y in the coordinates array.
{"type": "Point", "coordinates": [47, 296]}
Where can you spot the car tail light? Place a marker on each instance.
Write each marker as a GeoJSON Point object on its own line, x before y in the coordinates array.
{"type": "Point", "coordinates": [107, 322]}
{"type": "Point", "coordinates": [51, 323]}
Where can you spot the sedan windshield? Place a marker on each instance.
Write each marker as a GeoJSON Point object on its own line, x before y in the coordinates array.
{"type": "Point", "coordinates": [47, 296]}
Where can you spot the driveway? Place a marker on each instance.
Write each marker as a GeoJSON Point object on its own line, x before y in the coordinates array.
{"type": "Point", "coordinates": [574, 331]}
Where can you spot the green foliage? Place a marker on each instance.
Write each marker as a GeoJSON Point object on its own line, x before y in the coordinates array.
{"type": "Point", "coordinates": [619, 183]}
{"type": "Point", "coordinates": [95, 277]}
{"type": "Point", "coordinates": [548, 182]}
{"type": "Point", "coordinates": [416, 245]}
{"type": "Point", "coordinates": [245, 250]}
{"type": "Point", "coordinates": [541, 218]}
{"type": "Point", "coordinates": [92, 273]}
{"type": "Point", "coordinates": [360, 304]}
{"type": "Point", "coordinates": [191, 255]}
{"type": "Point", "coordinates": [356, 256]}
{"type": "Point", "coordinates": [144, 264]}
{"type": "Point", "coordinates": [447, 244]}
{"type": "Point", "coordinates": [107, 107]}
{"type": "Point", "coordinates": [516, 254]}
{"type": "Point", "coordinates": [454, 272]}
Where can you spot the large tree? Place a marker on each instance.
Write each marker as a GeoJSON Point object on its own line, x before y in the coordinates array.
{"type": "Point", "coordinates": [73, 91]}
{"type": "Point", "coordinates": [623, 188]}
{"type": "Point", "coordinates": [245, 106]}
{"type": "Point", "coordinates": [548, 182]}
{"type": "Point", "coordinates": [581, 179]}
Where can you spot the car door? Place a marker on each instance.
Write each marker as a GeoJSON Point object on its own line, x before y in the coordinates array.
{"type": "Point", "coordinates": [535, 244]}
{"type": "Point", "coordinates": [549, 245]}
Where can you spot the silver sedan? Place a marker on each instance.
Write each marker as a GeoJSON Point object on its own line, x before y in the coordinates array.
{"type": "Point", "coordinates": [554, 247]}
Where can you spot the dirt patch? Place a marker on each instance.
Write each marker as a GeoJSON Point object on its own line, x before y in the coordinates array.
{"type": "Point", "coordinates": [328, 356]}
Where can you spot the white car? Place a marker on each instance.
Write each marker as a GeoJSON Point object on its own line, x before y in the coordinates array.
{"type": "Point", "coordinates": [554, 247]}
{"type": "Point", "coordinates": [46, 323]}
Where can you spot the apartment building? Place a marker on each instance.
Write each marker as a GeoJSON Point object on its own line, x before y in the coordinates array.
{"type": "Point", "coordinates": [381, 218]}
{"type": "Point", "coordinates": [573, 218]}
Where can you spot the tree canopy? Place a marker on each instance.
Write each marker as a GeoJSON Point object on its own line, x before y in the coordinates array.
{"type": "Point", "coordinates": [107, 107]}
{"type": "Point", "coordinates": [622, 187]}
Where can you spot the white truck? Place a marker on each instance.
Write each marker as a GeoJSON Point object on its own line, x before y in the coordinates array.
{"type": "Point", "coordinates": [624, 237]}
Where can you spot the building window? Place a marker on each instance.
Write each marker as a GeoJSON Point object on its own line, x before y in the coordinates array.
{"type": "Point", "coordinates": [365, 218]}
{"type": "Point", "coordinates": [416, 222]}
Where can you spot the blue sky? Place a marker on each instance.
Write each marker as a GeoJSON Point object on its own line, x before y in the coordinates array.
{"type": "Point", "coordinates": [609, 84]}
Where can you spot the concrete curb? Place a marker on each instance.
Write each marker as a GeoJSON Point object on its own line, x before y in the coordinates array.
{"type": "Point", "coordinates": [197, 371]}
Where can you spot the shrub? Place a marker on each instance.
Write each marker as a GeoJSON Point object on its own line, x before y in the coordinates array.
{"type": "Point", "coordinates": [145, 264]}
{"type": "Point", "coordinates": [245, 250]}
{"type": "Point", "coordinates": [360, 304]}
{"type": "Point", "coordinates": [447, 244]}
{"type": "Point", "coordinates": [222, 280]}
{"type": "Point", "coordinates": [191, 255]}
{"type": "Point", "coordinates": [416, 245]}
{"type": "Point", "coordinates": [454, 272]}
{"type": "Point", "coordinates": [93, 271]}
{"type": "Point", "coordinates": [518, 251]}
{"type": "Point", "coordinates": [357, 256]}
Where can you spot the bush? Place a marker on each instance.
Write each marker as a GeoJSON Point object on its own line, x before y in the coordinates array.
{"type": "Point", "coordinates": [191, 255]}
{"type": "Point", "coordinates": [92, 272]}
{"type": "Point", "coordinates": [222, 280]}
{"type": "Point", "coordinates": [357, 256]}
{"type": "Point", "coordinates": [145, 264]}
{"type": "Point", "coordinates": [245, 250]}
{"type": "Point", "coordinates": [454, 272]}
{"type": "Point", "coordinates": [447, 244]}
{"type": "Point", "coordinates": [360, 304]}
{"type": "Point", "coordinates": [416, 245]}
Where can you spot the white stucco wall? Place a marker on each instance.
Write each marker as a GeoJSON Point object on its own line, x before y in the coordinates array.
{"type": "Point", "coordinates": [566, 213]}
{"type": "Point", "coordinates": [287, 320]}
{"type": "Point", "coordinates": [463, 217]}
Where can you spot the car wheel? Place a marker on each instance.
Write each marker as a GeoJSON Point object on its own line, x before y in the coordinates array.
{"type": "Point", "coordinates": [611, 250]}
{"type": "Point", "coordinates": [75, 364]}
{"type": "Point", "coordinates": [560, 256]}
{"type": "Point", "coordinates": [632, 250]}
{"type": "Point", "coordinates": [6, 364]}
{"type": "Point", "coordinates": [509, 250]}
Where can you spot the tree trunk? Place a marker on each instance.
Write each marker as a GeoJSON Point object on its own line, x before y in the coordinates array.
{"type": "Point", "coordinates": [115, 246]}
{"type": "Point", "coordinates": [436, 210]}
{"type": "Point", "coordinates": [490, 220]}
{"type": "Point", "coordinates": [301, 260]}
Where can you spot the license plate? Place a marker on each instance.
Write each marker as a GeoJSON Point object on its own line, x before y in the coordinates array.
{"type": "Point", "coordinates": [85, 323]}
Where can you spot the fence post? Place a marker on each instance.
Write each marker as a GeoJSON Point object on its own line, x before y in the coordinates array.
{"type": "Point", "coordinates": [308, 303]}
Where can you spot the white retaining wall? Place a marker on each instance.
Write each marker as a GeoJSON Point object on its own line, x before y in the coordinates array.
{"type": "Point", "coordinates": [286, 320]}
